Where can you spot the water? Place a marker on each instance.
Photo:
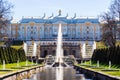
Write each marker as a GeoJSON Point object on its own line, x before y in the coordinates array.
{"type": "Point", "coordinates": [32, 62]}
{"type": "Point", "coordinates": [4, 65]}
{"type": "Point", "coordinates": [59, 72]}
{"type": "Point", "coordinates": [98, 64]}
{"type": "Point", "coordinates": [54, 74]}
{"type": "Point", "coordinates": [26, 63]}
{"type": "Point", "coordinates": [109, 64]}
{"type": "Point", "coordinates": [90, 62]}
{"type": "Point", "coordinates": [59, 50]}
{"type": "Point", "coordinates": [18, 63]}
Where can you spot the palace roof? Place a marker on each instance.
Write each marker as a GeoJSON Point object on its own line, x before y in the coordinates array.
{"type": "Point", "coordinates": [52, 19]}
{"type": "Point", "coordinates": [63, 19]}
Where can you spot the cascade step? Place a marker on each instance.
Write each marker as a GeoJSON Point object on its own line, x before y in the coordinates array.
{"type": "Point", "coordinates": [30, 50]}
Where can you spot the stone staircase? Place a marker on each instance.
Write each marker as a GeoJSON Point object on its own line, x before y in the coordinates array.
{"type": "Point", "coordinates": [30, 50]}
{"type": "Point", "coordinates": [38, 51]}
{"type": "Point", "coordinates": [89, 51]}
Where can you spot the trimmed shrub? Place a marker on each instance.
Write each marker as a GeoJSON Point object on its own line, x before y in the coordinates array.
{"type": "Point", "coordinates": [11, 55]}
{"type": "Point", "coordinates": [107, 54]}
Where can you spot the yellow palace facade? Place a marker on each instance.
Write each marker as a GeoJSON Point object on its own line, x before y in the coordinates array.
{"type": "Point", "coordinates": [40, 34]}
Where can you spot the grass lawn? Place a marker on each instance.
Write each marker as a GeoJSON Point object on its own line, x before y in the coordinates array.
{"type": "Point", "coordinates": [9, 66]}
{"type": "Point", "coordinates": [101, 67]}
{"type": "Point", "coordinates": [16, 47]}
{"type": "Point", "coordinates": [2, 42]}
{"type": "Point", "coordinates": [113, 73]}
{"type": "Point", "coordinates": [118, 43]}
{"type": "Point", "coordinates": [100, 45]}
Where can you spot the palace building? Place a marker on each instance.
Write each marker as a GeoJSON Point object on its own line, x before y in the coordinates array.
{"type": "Point", "coordinates": [40, 35]}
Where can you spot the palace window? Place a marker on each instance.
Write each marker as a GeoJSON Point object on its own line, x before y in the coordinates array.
{"type": "Point", "coordinates": [87, 27]}
{"type": "Point", "coordinates": [22, 27]}
{"type": "Point", "coordinates": [87, 37]}
{"type": "Point", "coordinates": [13, 32]}
{"type": "Point", "coordinates": [31, 32]}
{"type": "Point", "coordinates": [78, 33]}
{"type": "Point", "coordinates": [31, 27]}
{"type": "Point", "coordinates": [40, 28]}
{"type": "Point", "coordinates": [13, 27]}
{"type": "Point", "coordinates": [18, 28]}
{"type": "Point", "coordinates": [87, 32]}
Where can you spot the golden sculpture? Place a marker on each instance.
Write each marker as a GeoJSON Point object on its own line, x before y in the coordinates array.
{"type": "Point", "coordinates": [60, 12]}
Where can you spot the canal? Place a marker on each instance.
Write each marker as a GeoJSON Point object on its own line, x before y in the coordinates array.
{"type": "Point", "coordinates": [63, 73]}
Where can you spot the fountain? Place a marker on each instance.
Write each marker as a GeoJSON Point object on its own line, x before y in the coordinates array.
{"type": "Point", "coordinates": [32, 63]}
{"type": "Point", "coordinates": [98, 64]}
{"type": "Point", "coordinates": [26, 63]}
{"type": "Point", "coordinates": [59, 51]}
{"type": "Point", "coordinates": [18, 63]}
{"type": "Point", "coordinates": [36, 63]}
{"type": "Point", "coordinates": [90, 62]}
{"type": "Point", "coordinates": [109, 64]}
{"type": "Point", "coordinates": [59, 73]}
{"type": "Point", "coordinates": [4, 65]}
{"type": "Point", "coordinates": [61, 70]}
{"type": "Point", "coordinates": [59, 56]}
{"type": "Point", "coordinates": [85, 63]}
{"type": "Point", "coordinates": [81, 62]}
{"type": "Point", "coordinates": [17, 66]}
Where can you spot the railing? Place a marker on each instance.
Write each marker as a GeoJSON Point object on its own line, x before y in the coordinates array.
{"type": "Point", "coordinates": [64, 39]}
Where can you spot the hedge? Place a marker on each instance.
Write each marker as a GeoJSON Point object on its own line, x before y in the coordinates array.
{"type": "Point", "coordinates": [11, 55]}
{"type": "Point", "coordinates": [107, 54]}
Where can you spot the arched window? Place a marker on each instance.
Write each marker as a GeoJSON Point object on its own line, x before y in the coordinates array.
{"type": "Point", "coordinates": [74, 52]}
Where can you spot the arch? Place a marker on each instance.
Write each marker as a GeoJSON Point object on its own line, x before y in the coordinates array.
{"type": "Point", "coordinates": [45, 53]}
{"type": "Point", "coordinates": [74, 53]}
{"type": "Point", "coordinates": [65, 53]}
{"type": "Point", "coordinates": [53, 52]}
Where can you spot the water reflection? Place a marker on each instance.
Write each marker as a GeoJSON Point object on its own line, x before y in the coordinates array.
{"type": "Point", "coordinates": [58, 74]}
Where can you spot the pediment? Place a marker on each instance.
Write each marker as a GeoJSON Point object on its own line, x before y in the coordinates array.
{"type": "Point", "coordinates": [88, 23]}
{"type": "Point", "coordinates": [60, 22]}
{"type": "Point", "coordinates": [31, 23]}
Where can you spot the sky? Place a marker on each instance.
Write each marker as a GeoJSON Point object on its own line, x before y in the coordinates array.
{"type": "Point", "coordinates": [88, 8]}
